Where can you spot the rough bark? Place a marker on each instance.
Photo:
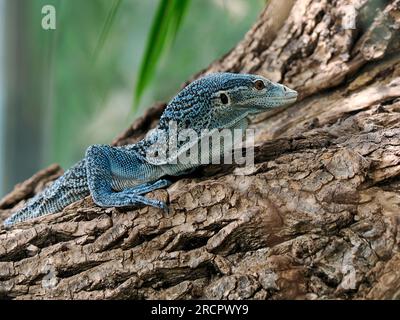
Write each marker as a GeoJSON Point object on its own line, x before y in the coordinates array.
{"type": "Point", "coordinates": [318, 216]}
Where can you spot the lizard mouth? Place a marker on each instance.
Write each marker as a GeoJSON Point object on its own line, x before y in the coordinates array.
{"type": "Point", "coordinates": [288, 98]}
{"type": "Point", "coordinates": [267, 102]}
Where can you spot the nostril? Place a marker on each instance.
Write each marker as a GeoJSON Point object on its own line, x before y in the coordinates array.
{"type": "Point", "coordinates": [285, 89]}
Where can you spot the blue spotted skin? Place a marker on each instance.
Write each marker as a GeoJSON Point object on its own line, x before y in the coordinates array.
{"type": "Point", "coordinates": [120, 176]}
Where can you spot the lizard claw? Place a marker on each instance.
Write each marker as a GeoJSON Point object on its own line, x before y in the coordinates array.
{"type": "Point", "coordinates": [164, 183]}
{"type": "Point", "coordinates": [165, 208]}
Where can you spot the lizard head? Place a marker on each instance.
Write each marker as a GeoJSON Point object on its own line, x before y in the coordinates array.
{"type": "Point", "coordinates": [220, 100]}
{"type": "Point", "coordinates": [248, 92]}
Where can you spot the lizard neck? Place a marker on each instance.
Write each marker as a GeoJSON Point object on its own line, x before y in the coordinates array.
{"type": "Point", "coordinates": [234, 118]}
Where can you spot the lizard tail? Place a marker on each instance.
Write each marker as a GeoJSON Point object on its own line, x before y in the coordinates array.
{"type": "Point", "coordinates": [67, 189]}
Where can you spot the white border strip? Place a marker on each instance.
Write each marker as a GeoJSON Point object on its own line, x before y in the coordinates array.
{"type": "Point", "coordinates": [2, 94]}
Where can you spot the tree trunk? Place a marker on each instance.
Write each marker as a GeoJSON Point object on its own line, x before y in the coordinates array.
{"type": "Point", "coordinates": [318, 216]}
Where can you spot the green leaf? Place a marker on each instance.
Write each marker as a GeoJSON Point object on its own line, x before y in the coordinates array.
{"type": "Point", "coordinates": [180, 12]}
{"type": "Point", "coordinates": [164, 28]}
{"type": "Point", "coordinates": [106, 28]}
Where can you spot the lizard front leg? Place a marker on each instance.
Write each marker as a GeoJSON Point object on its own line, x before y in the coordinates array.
{"type": "Point", "coordinates": [111, 168]}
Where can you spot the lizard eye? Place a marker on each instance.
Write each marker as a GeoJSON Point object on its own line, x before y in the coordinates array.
{"type": "Point", "coordinates": [259, 84]}
{"type": "Point", "coordinates": [224, 98]}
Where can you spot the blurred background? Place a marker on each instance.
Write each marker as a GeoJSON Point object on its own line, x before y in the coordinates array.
{"type": "Point", "coordinates": [107, 60]}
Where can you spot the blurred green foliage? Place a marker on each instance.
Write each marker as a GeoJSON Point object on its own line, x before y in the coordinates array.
{"type": "Point", "coordinates": [107, 26]}
{"type": "Point", "coordinates": [163, 31]}
{"type": "Point", "coordinates": [89, 100]}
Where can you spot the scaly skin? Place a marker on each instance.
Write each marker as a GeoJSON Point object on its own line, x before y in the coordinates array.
{"type": "Point", "coordinates": [119, 176]}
